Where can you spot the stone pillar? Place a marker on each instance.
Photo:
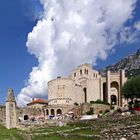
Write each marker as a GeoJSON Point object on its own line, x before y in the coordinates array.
{"type": "Point", "coordinates": [45, 112]}
{"type": "Point", "coordinates": [85, 107]}
{"type": "Point", "coordinates": [101, 89]}
{"type": "Point", "coordinates": [122, 81]}
{"type": "Point", "coordinates": [108, 85]}
{"type": "Point", "coordinates": [11, 117]}
{"type": "Point", "coordinates": [49, 112]}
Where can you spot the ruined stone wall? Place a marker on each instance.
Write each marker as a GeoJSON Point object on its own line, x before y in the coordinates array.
{"type": "Point", "coordinates": [99, 107]}
{"type": "Point", "coordinates": [85, 107]}
{"type": "Point", "coordinates": [2, 114]}
{"type": "Point", "coordinates": [31, 112]}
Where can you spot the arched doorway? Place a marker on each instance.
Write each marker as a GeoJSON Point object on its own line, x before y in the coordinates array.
{"type": "Point", "coordinates": [113, 99]}
{"type": "Point", "coordinates": [105, 93]}
{"type": "Point", "coordinates": [59, 111]}
{"type": "Point", "coordinates": [52, 112]}
{"type": "Point", "coordinates": [85, 94]}
{"type": "Point", "coordinates": [26, 117]}
{"type": "Point", "coordinates": [115, 96]}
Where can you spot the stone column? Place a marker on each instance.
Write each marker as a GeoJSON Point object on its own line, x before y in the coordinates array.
{"type": "Point", "coordinates": [108, 85]}
{"type": "Point", "coordinates": [122, 81]}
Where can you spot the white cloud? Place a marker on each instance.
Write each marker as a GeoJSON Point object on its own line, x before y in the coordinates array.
{"type": "Point", "coordinates": [130, 34]}
{"type": "Point", "coordinates": [70, 33]}
{"type": "Point", "coordinates": [137, 25]}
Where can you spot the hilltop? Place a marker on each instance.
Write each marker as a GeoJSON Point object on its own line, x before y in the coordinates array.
{"type": "Point", "coordinates": [131, 64]}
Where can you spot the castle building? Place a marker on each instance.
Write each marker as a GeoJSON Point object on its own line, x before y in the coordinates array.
{"type": "Point", "coordinates": [85, 84]}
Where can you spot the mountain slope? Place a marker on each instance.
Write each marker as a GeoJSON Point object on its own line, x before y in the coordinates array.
{"type": "Point", "coordinates": [131, 64]}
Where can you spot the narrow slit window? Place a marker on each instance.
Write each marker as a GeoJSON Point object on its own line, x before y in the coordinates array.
{"type": "Point", "coordinates": [80, 72]}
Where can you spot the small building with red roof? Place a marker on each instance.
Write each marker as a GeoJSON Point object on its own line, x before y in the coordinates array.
{"type": "Point", "coordinates": [37, 103]}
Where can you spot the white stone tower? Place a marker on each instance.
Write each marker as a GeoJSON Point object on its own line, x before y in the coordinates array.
{"type": "Point", "coordinates": [10, 110]}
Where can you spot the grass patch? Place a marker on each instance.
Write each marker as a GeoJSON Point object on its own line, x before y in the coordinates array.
{"type": "Point", "coordinates": [57, 137]}
{"type": "Point", "coordinates": [52, 129]}
{"type": "Point", "coordinates": [86, 131]}
{"type": "Point", "coordinates": [8, 134]}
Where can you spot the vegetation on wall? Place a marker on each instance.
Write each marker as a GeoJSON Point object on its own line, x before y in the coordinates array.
{"type": "Point", "coordinates": [99, 102]}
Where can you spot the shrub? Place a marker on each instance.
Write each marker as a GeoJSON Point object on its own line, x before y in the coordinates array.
{"type": "Point", "coordinates": [106, 111]}
{"type": "Point", "coordinates": [99, 102]}
{"type": "Point", "coordinates": [76, 104]}
{"type": "Point", "coordinates": [90, 112]}
{"type": "Point", "coordinates": [131, 88]}
{"type": "Point", "coordinates": [112, 107]}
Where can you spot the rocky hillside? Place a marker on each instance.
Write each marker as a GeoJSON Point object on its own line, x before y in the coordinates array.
{"type": "Point", "coordinates": [130, 63]}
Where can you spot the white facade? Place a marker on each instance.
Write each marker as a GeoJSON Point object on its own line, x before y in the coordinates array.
{"type": "Point", "coordinates": [86, 84]}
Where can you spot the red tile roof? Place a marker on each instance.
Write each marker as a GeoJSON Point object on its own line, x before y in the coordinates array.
{"type": "Point", "coordinates": [40, 101]}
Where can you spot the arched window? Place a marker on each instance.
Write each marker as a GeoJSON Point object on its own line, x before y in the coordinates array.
{"type": "Point", "coordinates": [47, 112]}
{"type": "Point", "coordinates": [115, 85]}
{"type": "Point", "coordinates": [87, 72]}
{"type": "Point", "coordinates": [80, 72]}
{"type": "Point", "coordinates": [26, 117]}
{"type": "Point", "coordinates": [74, 74]}
{"type": "Point", "coordinates": [52, 111]}
{"type": "Point", "coordinates": [59, 111]}
{"type": "Point", "coordinates": [85, 94]}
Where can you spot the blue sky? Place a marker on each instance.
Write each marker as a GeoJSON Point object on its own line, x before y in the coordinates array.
{"type": "Point", "coordinates": [17, 19]}
{"type": "Point", "coordinates": [15, 62]}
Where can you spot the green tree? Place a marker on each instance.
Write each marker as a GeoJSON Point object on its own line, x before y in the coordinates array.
{"type": "Point", "coordinates": [131, 89]}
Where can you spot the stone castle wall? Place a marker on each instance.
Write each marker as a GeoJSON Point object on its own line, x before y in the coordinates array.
{"type": "Point", "coordinates": [63, 91]}
{"type": "Point", "coordinates": [2, 114]}
{"type": "Point", "coordinates": [97, 108]}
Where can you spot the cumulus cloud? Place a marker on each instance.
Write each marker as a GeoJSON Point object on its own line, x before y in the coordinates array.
{"type": "Point", "coordinates": [71, 33]}
{"type": "Point", "coordinates": [137, 25]}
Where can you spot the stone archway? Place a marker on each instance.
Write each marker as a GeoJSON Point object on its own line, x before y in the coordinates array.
{"type": "Point", "coordinates": [113, 99]}
{"type": "Point", "coordinates": [115, 95]}
{"type": "Point", "coordinates": [52, 112]}
{"type": "Point", "coordinates": [26, 117]}
{"type": "Point", "coordinates": [59, 111]}
{"type": "Point", "coordinates": [115, 84]}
